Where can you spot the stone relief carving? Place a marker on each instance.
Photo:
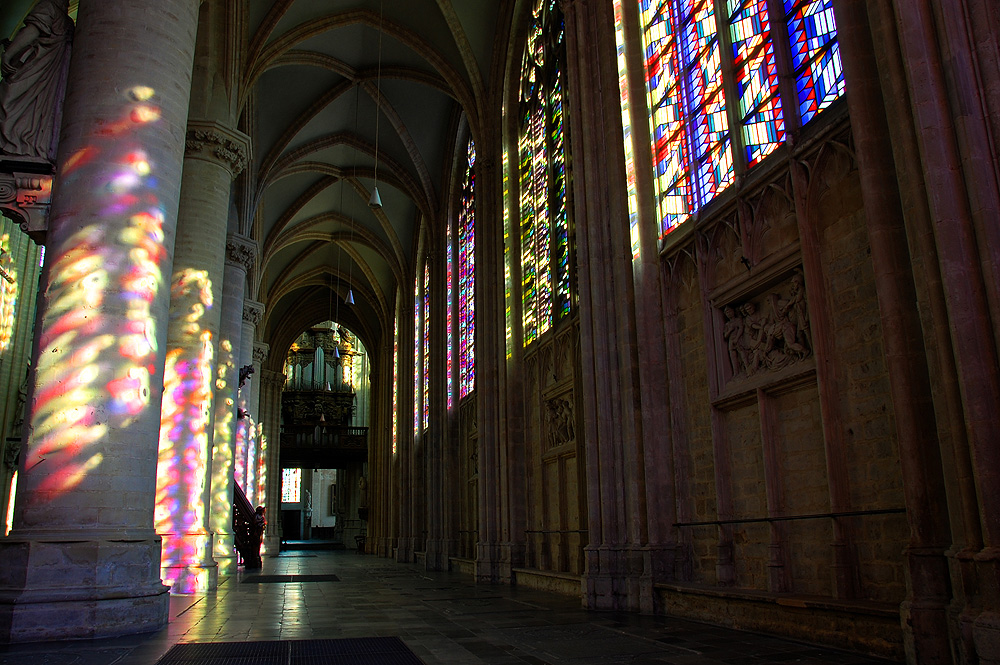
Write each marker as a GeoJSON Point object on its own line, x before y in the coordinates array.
{"type": "Point", "coordinates": [241, 252]}
{"type": "Point", "coordinates": [25, 198]}
{"type": "Point", "coordinates": [769, 334]}
{"type": "Point", "coordinates": [260, 352]}
{"type": "Point", "coordinates": [559, 421]}
{"type": "Point", "coordinates": [34, 66]}
{"type": "Point", "coordinates": [223, 148]}
{"type": "Point", "coordinates": [253, 312]}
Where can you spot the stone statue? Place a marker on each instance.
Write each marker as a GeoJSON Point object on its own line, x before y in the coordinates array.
{"type": "Point", "coordinates": [34, 66]}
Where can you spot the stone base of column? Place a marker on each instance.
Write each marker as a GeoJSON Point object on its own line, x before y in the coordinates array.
{"type": "Point", "coordinates": [271, 546]}
{"type": "Point", "coordinates": [187, 565]}
{"type": "Point", "coordinates": [604, 578]}
{"type": "Point", "coordinates": [80, 589]}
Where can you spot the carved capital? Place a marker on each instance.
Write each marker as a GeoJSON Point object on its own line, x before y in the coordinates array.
{"type": "Point", "coordinates": [217, 143]}
{"type": "Point", "coordinates": [260, 350]}
{"type": "Point", "coordinates": [25, 198]}
{"type": "Point", "coordinates": [253, 312]}
{"type": "Point", "coordinates": [240, 251]}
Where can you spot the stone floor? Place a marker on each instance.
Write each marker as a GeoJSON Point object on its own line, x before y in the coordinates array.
{"type": "Point", "coordinates": [442, 617]}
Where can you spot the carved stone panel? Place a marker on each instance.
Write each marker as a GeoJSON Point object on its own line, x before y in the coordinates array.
{"type": "Point", "coordinates": [767, 331]}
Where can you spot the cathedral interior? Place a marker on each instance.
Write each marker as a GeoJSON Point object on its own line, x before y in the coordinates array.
{"type": "Point", "coordinates": [682, 309]}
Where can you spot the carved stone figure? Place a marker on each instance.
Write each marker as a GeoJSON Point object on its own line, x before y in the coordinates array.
{"type": "Point", "coordinates": [34, 66]}
{"type": "Point", "coordinates": [772, 337]}
{"type": "Point", "coordinates": [559, 421]}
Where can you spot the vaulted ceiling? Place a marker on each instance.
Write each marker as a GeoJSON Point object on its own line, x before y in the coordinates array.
{"type": "Point", "coordinates": [342, 96]}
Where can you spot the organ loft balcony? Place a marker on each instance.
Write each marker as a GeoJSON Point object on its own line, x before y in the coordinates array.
{"type": "Point", "coordinates": [322, 426]}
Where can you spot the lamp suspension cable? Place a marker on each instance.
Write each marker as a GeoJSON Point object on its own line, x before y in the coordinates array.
{"type": "Point", "coordinates": [376, 201]}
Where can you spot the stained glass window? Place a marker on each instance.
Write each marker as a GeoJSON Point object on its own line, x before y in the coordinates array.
{"type": "Point", "coordinates": [427, 345]}
{"type": "Point", "coordinates": [449, 327]}
{"type": "Point", "coordinates": [686, 61]}
{"type": "Point", "coordinates": [467, 277]}
{"type": "Point", "coordinates": [291, 485]}
{"type": "Point", "coordinates": [544, 227]}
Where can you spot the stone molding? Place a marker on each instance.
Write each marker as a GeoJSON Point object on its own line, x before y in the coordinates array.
{"type": "Point", "coordinates": [260, 350]}
{"type": "Point", "coordinates": [25, 198]}
{"type": "Point", "coordinates": [217, 143]}
{"type": "Point", "coordinates": [253, 312]}
{"type": "Point", "coordinates": [241, 251]}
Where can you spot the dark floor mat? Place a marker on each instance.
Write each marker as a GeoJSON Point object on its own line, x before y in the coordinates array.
{"type": "Point", "coordinates": [356, 651]}
{"type": "Point", "coordinates": [288, 579]}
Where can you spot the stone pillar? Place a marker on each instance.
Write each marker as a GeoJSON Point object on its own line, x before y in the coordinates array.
{"type": "Point", "coordinates": [271, 384]}
{"type": "Point", "coordinates": [257, 455]}
{"type": "Point", "coordinates": [215, 155]}
{"type": "Point", "coordinates": [83, 558]}
{"type": "Point", "coordinates": [253, 314]}
{"type": "Point", "coordinates": [240, 254]}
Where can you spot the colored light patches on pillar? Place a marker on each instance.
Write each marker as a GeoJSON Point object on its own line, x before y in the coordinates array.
{"type": "Point", "coordinates": [508, 279]}
{"type": "Point", "coordinates": [756, 78]}
{"type": "Point", "coordinates": [261, 496]}
{"type": "Point", "coordinates": [96, 363]}
{"type": "Point", "coordinates": [624, 98]}
{"type": "Point", "coordinates": [185, 419]}
{"type": "Point", "coordinates": [819, 77]}
{"type": "Point", "coordinates": [240, 453]}
{"type": "Point", "coordinates": [8, 293]}
{"type": "Point", "coordinates": [9, 523]}
{"type": "Point", "coordinates": [467, 277]}
{"type": "Point", "coordinates": [427, 346]}
{"type": "Point", "coordinates": [544, 227]}
{"type": "Point", "coordinates": [222, 452]}
{"type": "Point", "coordinates": [417, 376]}
{"type": "Point", "coordinates": [395, 383]}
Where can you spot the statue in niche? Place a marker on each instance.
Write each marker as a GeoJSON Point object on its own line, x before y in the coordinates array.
{"type": "Point", "coordinates": [34, 66]}
{"type": "Point", "coordinates": [757, 340]}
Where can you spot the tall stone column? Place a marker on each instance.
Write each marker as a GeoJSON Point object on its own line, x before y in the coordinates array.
{"type": "Point", "coordinates": [240, 254]}
{"type": "Point", "coordinates": [215, 155]}
{"type": "Point", "coordinates": [257, 452]}
{"type": "Point", "coordinates": [253, 314]}
{"type": "Point", "coordinates": [83, 558]}
{"type": "Point", "coordinates": [271, 383]}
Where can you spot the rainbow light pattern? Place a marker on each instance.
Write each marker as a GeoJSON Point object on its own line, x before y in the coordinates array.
{"type": "Point", "coordinates": [291, 485]}
{"type": "Point", "coordinates": [417, 309]}
{"type": "Point", "coordinates": [185, 419]}
{"type": "Point", "coordinates": [542, 176]}
{"type": "Point", "coordinates": [240, 454]}
{"type": "Point", "coordinates": [689, 120]}
{"type": "Point", "coordinates": [251, 479]}
{"type": "Point", "coordinates": [467, 278]}
{"type": "Point", "coordinates": [427, 346]}
{"type": "Point", "coordinates": [261, 466]}
{"type": "Point", "coordinates": [508, 279]}
{"type": "Point", "coordinates": [222, 453]}
{"type": "Point", "coordinates": [97, 359]}
{"type": "Point", "coordinates": [395, 383]}
{"type": "Point", "coordinates": [8, 525]}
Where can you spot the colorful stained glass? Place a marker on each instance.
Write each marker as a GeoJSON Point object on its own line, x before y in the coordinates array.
{"type": "Point", "coordinates": [756, 78]}
{"type": "Point", "coordinates": [467, 277]}
{"type": "Point", "coordinates": [291, 485]}
{"type": "Point", "coordinates": [692, 159]}
{"type": "Point", "coordinates": [689, 122]}
{"type": "Point", "coordinates": [542, 176]}
{"type": "Point", "coordinates": [623, 88]}
{"type": "Point", "coordinates": [812, 32]}
{"type": "Point", "coordinates": [449, 332]}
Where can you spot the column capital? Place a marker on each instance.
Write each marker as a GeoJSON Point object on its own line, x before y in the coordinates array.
{"type": "Point", "coordinates": [253, 312]}
{"type": "Point", "coordinates": [214, 142]}
{"type": "Point", "coordinates": [25, 198]}
{"type": "Point", "coordinates": [260, 350]}
{"type": "Point", "coordinates": [271, 378]}
{"type": "Point", "coordinates": [241, 251]}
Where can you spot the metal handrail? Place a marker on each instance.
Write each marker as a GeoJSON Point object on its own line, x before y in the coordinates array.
{"type": "Point", "coordinates": [788, 518]}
